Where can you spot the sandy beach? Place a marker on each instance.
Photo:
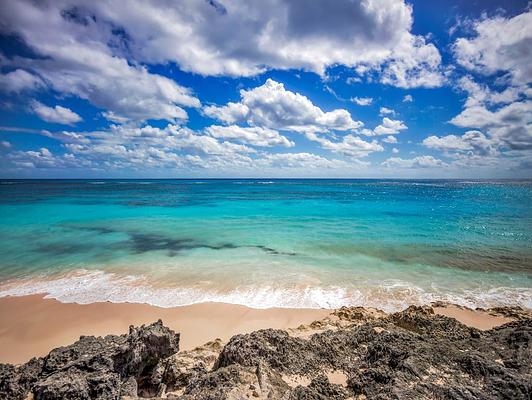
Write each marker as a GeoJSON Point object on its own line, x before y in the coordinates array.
{"type": "Point", "coordinates": [31, 326]}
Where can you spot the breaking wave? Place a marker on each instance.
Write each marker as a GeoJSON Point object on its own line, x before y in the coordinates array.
{"type": "Point", "coordinates": [88, 286]}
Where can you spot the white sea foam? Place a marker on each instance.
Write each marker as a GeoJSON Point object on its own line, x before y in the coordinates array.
{"type": "Point", "coordinates": [85, 287]}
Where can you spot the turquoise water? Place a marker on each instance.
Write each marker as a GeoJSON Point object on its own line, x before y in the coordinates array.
{"type": "Point", "coordinates": [262, 243]}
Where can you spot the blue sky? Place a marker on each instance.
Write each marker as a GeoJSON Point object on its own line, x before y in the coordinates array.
{"type": "Point", "coordinates": [276, 88]}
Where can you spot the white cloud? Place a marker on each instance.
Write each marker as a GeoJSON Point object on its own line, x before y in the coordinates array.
{"type": "Point", "coordinates": [5, 144]}
{"type": "Point", "coordinates": [300, 161]}
{"type": "Point", "coordinates": [511, 124]}
{"type": "Point", "coordinates": [80, 55]}
{"type": "Point", "coordinates": [254, 135]}
{"type": "Point", "coordinates": [390, 139]}
{"type": "Point", "coordinates": [500, 45]}
{"type": "Point", "coordinates": [471, 142]}
{"type": "Point", "coordinates": [482, 95]}
{"type": "Point", "coordinates": [149, 148]}
{"type": "Point", "coordinates": [417, 162]}
{"type": "Point", "coordinates": [172, 148]}
{"type": "Point", "coordinates": [146, 148]}
{"type": "Point", "coordinates": [395, 150]}
{"type": "Point", "coordinates": [152, 146]}
{"type": "Point", "coordinates": [236, 38]}
{"type": "Point", "coordinates": [386, 111]}
{"type": "Point", "coordinates": [19, 80]}
{"type": "Point", "coordinates": [350, 145]}
{"type": "Point", "coordinates": [274, 107]}
{"type": "Point", "coordinates": [389, 127]}
{"type": "Point", "coordinates": [57, 114]}
{"type": "Point", "coordinates": [44, 159]}
{"type": "Point", "coordinates": [500, 49]}
{"type": "Point", "coordinates": [362, 101]}
{"type": "Point", "coordinates": [408, 99]}
{"type": "Point", "coordinates": [414, 64]}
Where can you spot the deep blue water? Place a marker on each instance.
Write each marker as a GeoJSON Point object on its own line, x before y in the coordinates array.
{"type": "Point", "coordinates": [262, 243]}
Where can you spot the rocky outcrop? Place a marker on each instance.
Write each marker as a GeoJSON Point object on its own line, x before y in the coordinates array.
{"type": "Point", "coordinates": [92, 368]}
{"type": "Point", "coordinates": [354, 353]}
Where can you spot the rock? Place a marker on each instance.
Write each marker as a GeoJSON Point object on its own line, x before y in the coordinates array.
{"type": "Point", "coordinates": [410, 354]}
{"type": "Point", "coordinates": [178, 370]}
{"type": "Point", "coordinates": [16, 382]}
{"type": "Point", "coordinates": [274, 347]}
{"type": "Point", "coordinates": [129, 388]}
{"type": "Point", "coordinates": [423, 320]}
{"type": "Point", "coordinates": [92, 368]}
{"type": "Point", "coordinates": [144, 347]}
{"type": "Point", "coordinates": [413, 354]}
{"type": "Point", "coordinates": [235, 382]}
{"type": "Point", "coordinates": [319, 389]}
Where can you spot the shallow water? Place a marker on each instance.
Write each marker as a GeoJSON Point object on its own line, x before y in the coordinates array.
{"type": "Point", "coordinates": [264, 243]}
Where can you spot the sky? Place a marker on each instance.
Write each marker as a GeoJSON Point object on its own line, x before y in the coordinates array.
{"type": "Point", "coordinates": [269, 88]}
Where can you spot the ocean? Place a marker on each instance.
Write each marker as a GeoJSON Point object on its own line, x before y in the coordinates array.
{"type": "Point", "coordinates": [268, 243]}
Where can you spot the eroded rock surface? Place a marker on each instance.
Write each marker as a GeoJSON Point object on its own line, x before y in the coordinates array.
{"type": "Point", "coordinates": [92, 368]}
{"type": "Point", "coordinates": [413, 354]}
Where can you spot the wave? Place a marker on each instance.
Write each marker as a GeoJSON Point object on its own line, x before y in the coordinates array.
{"type": "Point", "coordinates": [84, 287]}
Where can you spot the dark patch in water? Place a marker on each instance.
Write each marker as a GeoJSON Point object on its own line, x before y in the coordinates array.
{"type": "Point", "coordinates": [139, 242]}
{"type": "Point", "coordinates": [145, 242]}
{"type": "Point", "coordinates": [142, 243]}
{"type": "Point", "coordinates": [273, 251]}
{"type": "Point", "coordinates": [99, 229]}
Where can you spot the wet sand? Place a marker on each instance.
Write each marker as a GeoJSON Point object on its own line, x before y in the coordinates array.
{"type": "Point", "coordinates": [32, 326]}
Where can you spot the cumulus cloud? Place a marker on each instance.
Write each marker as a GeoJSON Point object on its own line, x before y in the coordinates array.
{"type": "Point", "coordinates": [386, 111]}
{"type": "Point", "coordinates": [350, 145]}
{"type": "Point", "coordinates": [408, 99]}
{"type": "Point", "coordinates": [237, 38]}
{"type": "Point", "coordinates": [79, 54]}
{"type": "Point", "coordinates": [5, 144]}
{"type": "Point", "coordinates": [390, 139]}
{"type": "Point", "coordinates": [395, 150]}
{"type": "Point", "coordinates": [19, 80]}
{"type": "Point", "coordinates": [149, 147]}
{"type": "Point", "coordinates": [45, 159]}
{"type": "Point", "coordinates": [256, 136]}
{"type": "Point", "coordinates": [274, 107]}
{"type": "Point", "coordinates": [500, 45]}
{"type": "Point", "coordinates": [57, 114]}
{"type": "Point", "coordinates": [471, 142]}
{"type": "Point", "coordinates": [173, 147]}
{"type": "Point", "coordinates": [511, 124]}
{"type": "Point", "coordinates": [500, 49]}
{"type": "Point", "coordinates": [362, 101]}
{"type": "Point", "coordinates": [414, 64]}
{"type": "Point", "coordinates": [417, 162]}
{"type": "Point", "coordinates": [482, 95]}
{"type": "Point", "coordinates": [389, 127]}
{"type": "Point", "coordinates": [300, 161]}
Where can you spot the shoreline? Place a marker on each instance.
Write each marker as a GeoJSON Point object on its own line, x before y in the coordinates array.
{"type": "Point", "coordinates": [31, 326]}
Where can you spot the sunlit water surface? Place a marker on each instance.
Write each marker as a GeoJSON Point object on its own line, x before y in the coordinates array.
{"type": "Point", "coordinates": [266, 243]}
